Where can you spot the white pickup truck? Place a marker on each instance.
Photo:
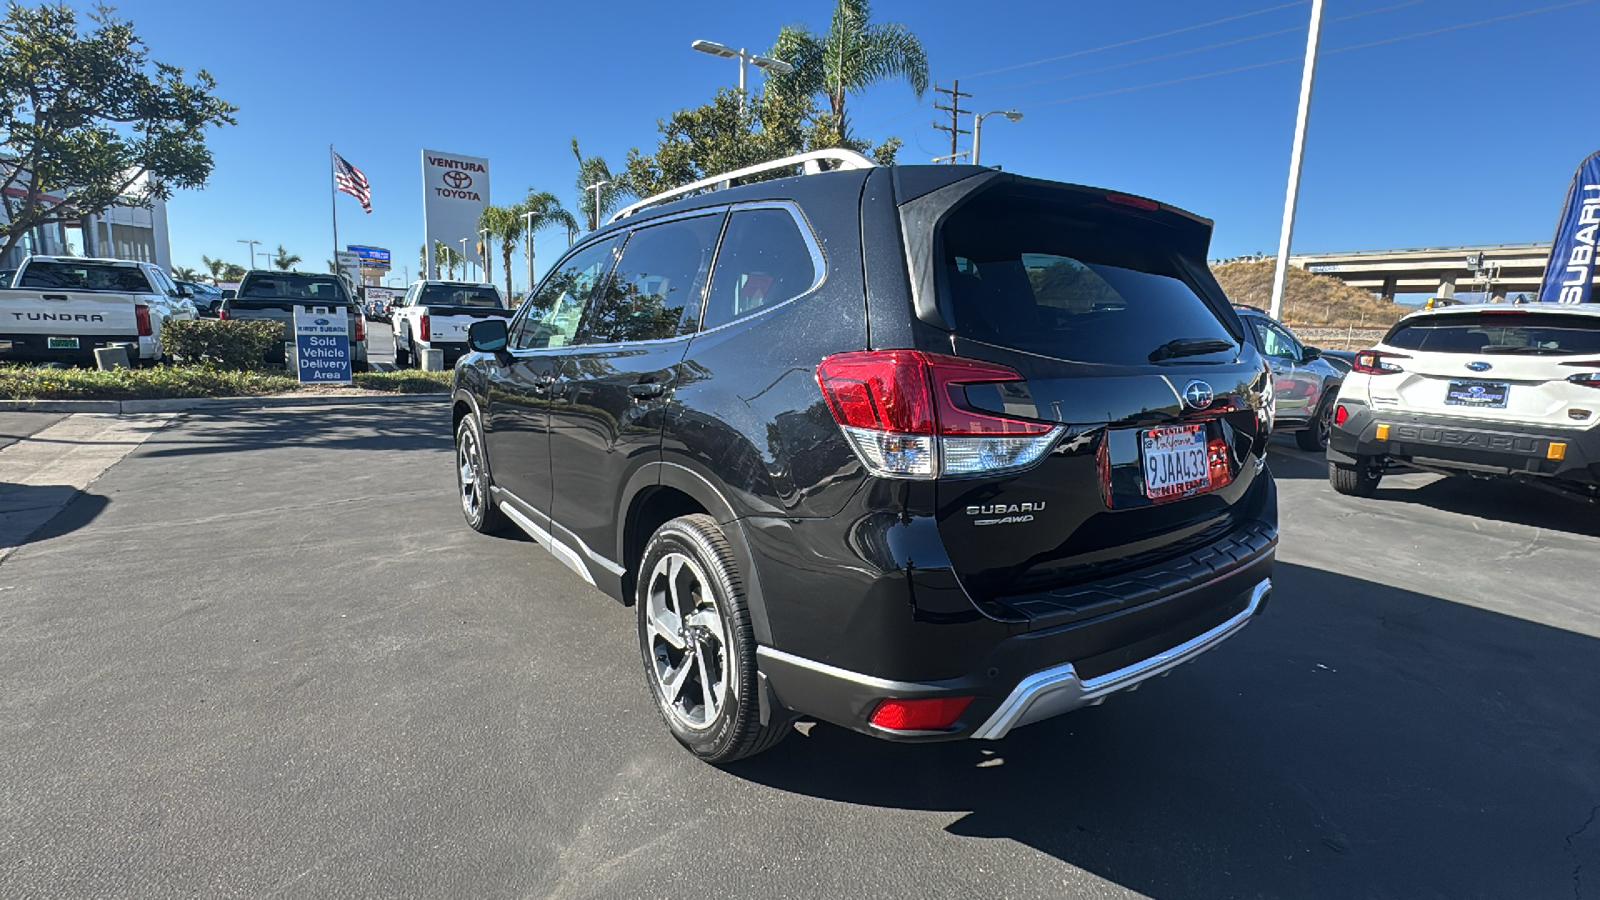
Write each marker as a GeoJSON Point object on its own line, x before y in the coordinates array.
{"type": "Point", "coordinates": [59, 309]}
{"type": "Point", "coordinates": [435, 315]}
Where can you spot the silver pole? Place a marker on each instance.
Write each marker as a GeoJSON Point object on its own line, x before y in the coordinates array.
{"type": "Point", "coordinates": [1307, 76]}
{"type": "Point", "coordinates": [527, 251]}
{"type": "Point", "coordinates": [977, 136]}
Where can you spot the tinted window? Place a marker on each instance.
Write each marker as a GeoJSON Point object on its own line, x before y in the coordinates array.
{"type": "Point", "coordinates": [313, 288]}
{"type": "Point", "coordinates": [764, 261]}
{"type": "Point", "coordinates": [68, 276]}
{"type": "Point", "coordinates": [1513, 331]}
{"type": "Point", "coordinates": [475, 295]}
{"type": "Point", "coordinates": [553, 312]}
{"type": "Point", "coordinates": [1048, 276]}
{"type": "Point", "coordinates": [661, 274]}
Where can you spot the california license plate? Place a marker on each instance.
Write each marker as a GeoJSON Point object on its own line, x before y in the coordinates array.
{"type": "Point", "coordinates": [1489, 394]}
{"type": "Point", "coordinates": [1175, 461]}
{"type": "Point", "coordinates": [56, 343]}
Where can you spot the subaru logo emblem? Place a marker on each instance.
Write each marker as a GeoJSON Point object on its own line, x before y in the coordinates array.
{"type": "Point", "coordinates": [321, 321]}
{"type": "Point", "coordinates": [1479, 366]}
{"type": "Point", "coordinates": [1198, 395]}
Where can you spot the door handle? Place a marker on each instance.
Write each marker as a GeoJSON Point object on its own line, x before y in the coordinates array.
{"type": "Point", "coordinates": [646, 390]}
{"type": "Point", "coordinates": [62, 297]}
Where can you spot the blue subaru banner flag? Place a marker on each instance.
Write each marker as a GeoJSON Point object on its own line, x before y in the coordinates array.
{"type": "Point", "coordinates": [1569, 275]}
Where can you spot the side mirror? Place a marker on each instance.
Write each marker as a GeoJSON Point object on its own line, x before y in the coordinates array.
{"type": "Point", "coordinates": [185, 294]}
{"type": "Point", "coordinates": [487, 336]}
{"type": "Point", "coordinates": [229, 293]}
{"type": "Point", "coordinates": [1310, 353]}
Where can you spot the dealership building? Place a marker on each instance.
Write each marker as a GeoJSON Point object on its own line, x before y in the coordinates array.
{"type": "Point", "coordinates": [122, 232]}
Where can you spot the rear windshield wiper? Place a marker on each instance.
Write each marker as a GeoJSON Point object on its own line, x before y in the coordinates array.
{"type": "Point", "coordinates": [1189, 347]}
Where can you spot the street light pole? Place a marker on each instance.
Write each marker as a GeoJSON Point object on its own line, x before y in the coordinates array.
{"type": "Point", "coordinates": [463, 243]}
{"type": "Point", "coordinates": [744, 57]}
{"type": "Point", "coordinates": [527, 248]}
{"type": "Point", "coordinates": [1280, 270]}
{"type": "Point", "coordinates": [483, 256]}
{"type": "Point", "coordinates": [252, 251]}
{"type": "Point", "coordinates": [596, 188]}
{"type": "Point", "coordinates": [977, 127]}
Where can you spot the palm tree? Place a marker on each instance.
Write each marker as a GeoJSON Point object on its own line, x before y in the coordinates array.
{"type": "Point", "coordinates": [543, 210]}
{"type": "Point", "coordinates": [854, 54]}
{"type": "Point", "coordinates": [593, 170]}
{"type": "Point", "coordinates": [446, 258]}
{"type": "Point", "coordinates": [215, 266]}
{"type": "Point", "coordinates": [232, 272]}
{"type": "Point", "coordinates": [505, 223]}
{"type": "Point", "coordinates": [285, 260]}
{"type": "Point", "coordinates": [184, 273]}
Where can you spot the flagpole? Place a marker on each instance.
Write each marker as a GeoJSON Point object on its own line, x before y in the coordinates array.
{"type": "Point", "coordinates": [333, 201]}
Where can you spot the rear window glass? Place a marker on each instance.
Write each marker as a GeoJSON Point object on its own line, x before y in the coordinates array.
{"type": "Point", "coordinates": [319, 288]}
{"type": "Point", "coordinates": [84, 277]}
{"type": "Point", "coordinates": [459, 295]}
{"type": "Point", "coordinates": [1512, 331]}
{"type": "Point", "coordinates": [1049, 277]}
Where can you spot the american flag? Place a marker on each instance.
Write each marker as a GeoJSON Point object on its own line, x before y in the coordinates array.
{"type": "Point", "coordinates": [349, 179]}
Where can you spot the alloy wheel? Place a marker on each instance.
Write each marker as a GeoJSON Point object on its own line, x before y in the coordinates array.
{"type": "Point", "coordinates": [469, 472]}
{"type": "Point", "coordinates": [688, 646]}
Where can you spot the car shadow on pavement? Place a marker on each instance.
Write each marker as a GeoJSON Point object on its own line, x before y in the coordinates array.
{"type": "Point", "coordinates": [33, 513]}
{"type": "Point", "coordinates": [1288, 461]}
{"type": "Point", "coordinates": [1356, 740]}
{"type": "Point", "coordinates": [1502, 501]}
{"type": "Point", "coordinates": [389, 427]}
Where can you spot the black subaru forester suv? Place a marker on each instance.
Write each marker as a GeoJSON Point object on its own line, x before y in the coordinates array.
{"type": "Point", "coordinates": [927, 452]}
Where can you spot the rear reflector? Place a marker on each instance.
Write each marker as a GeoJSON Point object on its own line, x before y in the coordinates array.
{"type": "Point", "coordinates": [1383, 432]}
{"type": "Point", "coordinates": [930, 714]}
{"type": "Point", "coordinates": [1558, 450]}
{"type": "Point", "coordinates": [906, 415]}
{"type": "Point", "coordinates": [1340, 416]}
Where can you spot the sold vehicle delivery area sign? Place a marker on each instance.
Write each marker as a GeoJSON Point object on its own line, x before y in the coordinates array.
{"type": "Point", "coordinates": [322, 345]}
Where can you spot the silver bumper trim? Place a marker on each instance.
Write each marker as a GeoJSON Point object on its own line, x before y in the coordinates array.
{"type": "Point", "coordinates": [1050, 693]}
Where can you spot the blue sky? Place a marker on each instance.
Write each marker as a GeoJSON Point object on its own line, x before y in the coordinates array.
{"type": "Point", "coordinates": [1461, 137]}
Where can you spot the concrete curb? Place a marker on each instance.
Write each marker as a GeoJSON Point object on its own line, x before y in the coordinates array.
{"type": "Point", "coordinates": [183, 404]}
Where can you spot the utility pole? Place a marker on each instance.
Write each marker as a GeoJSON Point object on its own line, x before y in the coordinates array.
{"type": "Point", "coordinates": [955, 111]}
{"type": "Point", "coordinates": [1286, 235]}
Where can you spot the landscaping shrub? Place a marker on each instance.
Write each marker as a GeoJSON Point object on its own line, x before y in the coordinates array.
{"type": "Point", "coordinates": [222, 343]}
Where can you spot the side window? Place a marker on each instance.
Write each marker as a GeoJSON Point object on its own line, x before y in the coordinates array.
{"type": "Point", "coordinates": [764, 261]}
{"type": "Point", "coordinates": [163, 284]}
{"type": "Point", "coordinates": [555, 309]}
{"type": "Point", "coordinates": [661, 275]}
{"type": "Point", "coordinates": [1274, 340]}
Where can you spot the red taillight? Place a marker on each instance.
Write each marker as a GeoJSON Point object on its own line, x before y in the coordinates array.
{"type": "Point", "coordinates": [141, 313]}
{"type": "Point", "coordinates": [1218, 462]}
{"type": "Point", "coordinates": [1340, 415]}
{"type": "Point", "coordinates": [1374, 362]}
{"type": "Point", "coordinates": [1586, 379]}
{"type": "Point", "coordinates": [422, 329]}
{"type": "Point", "coordinates": [931, 714]}
{"type": "Point", "coordinates": [907, 415]}
{"type": "Point", "coordinates": [1136, 202]}
{"type": "Point", "coordinates": [361, 328]}
{"type": "Point", "coordinates": [222, 313]}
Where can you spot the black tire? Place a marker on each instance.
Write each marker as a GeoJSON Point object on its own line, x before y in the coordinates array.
{"type": "Point", "coordinates": [402, 358]}
{"type": "Point", "coordinates": [360, 365]}
{"type": "Point", "coordinates": [483, 515]}
{"type": "Point", "coordinates": [688, 573]}
{"type": "Point", "coordinates": [1314, 437]}
{"type": "Point", "coordinates": [1359, 480]}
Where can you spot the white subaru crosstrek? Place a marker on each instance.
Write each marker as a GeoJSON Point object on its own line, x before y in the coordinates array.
{"type": "Point", "coordinates": [1487, 391]}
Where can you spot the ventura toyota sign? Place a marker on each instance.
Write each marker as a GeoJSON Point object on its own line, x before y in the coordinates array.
{"type": "Point", "coordinates": [455, 189]}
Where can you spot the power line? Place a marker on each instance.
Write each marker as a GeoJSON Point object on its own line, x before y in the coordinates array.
{"type": "Point", "coordinates": [1139, 40]}
{"type": "Point", "coordinates": [1290, 59]}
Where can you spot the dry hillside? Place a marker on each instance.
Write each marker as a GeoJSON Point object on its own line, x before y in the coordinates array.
{"type": "Point", "coordinates": [1309, 301]}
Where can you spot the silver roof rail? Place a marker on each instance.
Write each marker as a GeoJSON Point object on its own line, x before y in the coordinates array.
{"type": "Point", "coordinates": [846, 159]}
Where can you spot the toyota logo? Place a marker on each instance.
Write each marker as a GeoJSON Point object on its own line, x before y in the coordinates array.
{"type": "Point", "coordinates": [458, 180]}
{"type": "Point", "coordinates": [1198, 395]}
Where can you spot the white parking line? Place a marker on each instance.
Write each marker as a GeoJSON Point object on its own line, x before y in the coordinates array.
{"type": "Point", "coordinates": [41, 474]}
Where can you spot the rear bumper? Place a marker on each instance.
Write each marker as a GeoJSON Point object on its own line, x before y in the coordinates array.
{"type": "Point", "coordinates": [33, 348]}
{"type": "Point", "coordinates": [1035, 675]}
{"type": "Point", "coordinates": [1493, 448]}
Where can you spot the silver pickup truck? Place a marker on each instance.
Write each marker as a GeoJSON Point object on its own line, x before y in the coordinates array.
{"type": "Point", "coordinates": [59, 309]}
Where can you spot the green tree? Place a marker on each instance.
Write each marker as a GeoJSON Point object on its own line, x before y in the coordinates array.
{"type": "Point", "coordinates": [184, 273]}
{"type": "Point", "coordinates": [232, 272]}
{"type": "Point", "coordinates": [446, 258]}
{"type": "Point", "coordinates": [285, 260]}
{"type": "Point", "coordinates": [88, 121]}
{"type": "Point", "coordinates": [503, 223]}
{"type": "Point", "coordinates": [214, 266]}
{"type": "Point", "coordinates": [593, 170]}
{"type": "Point", "coordinates": [544, 211]}
{"type": "Point", "coordinates": [854, 54]}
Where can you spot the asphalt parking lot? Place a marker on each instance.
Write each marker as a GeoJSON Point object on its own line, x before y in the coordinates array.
{"type": "Point", "coordinates": [262, 656]}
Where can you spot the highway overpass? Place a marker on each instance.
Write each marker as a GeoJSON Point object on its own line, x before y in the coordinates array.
{"type": "Point", "coordinates": [1498, 270]}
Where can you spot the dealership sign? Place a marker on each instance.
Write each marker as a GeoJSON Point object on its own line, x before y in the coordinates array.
{"type": "Point", "coordinates": [371, 257]}
{"type": "Point", "coordinates": [455, 189]}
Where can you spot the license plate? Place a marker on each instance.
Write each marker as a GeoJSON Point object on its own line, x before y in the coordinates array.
{"type": "Point", "coordinates": [1488, 394]}
{"type": "Point", "coordinates": [56, 343]}
{"type": "Point", "coordinates": [1175, 461]}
